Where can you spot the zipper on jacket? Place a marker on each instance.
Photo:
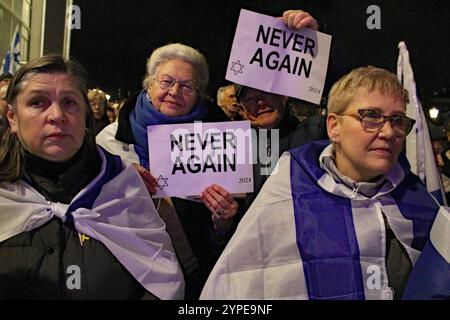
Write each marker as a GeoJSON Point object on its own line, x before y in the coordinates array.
{"type": "Point", "coordinates": [355, 191]}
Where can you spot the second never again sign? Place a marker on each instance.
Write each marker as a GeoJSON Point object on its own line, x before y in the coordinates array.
{"type": "Point", "coordinates": [186, 158]}
{"type": "Point", "coordinates": [268, 56]}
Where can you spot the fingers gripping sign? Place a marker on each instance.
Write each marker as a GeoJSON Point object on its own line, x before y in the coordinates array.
{"type": "Point", "coordinates": [298, 19]}
{"type": "Point", "coordinates": [221, 204]}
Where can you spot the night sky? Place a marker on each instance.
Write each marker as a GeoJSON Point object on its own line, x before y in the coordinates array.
{"type": "Point", "coordinates": [117, 36]}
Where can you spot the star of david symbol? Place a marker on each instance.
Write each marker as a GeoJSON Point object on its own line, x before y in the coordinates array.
{"type": "Point", "coordinates": [237, 67]}
{"type": "Point", "coordinates": [162, 182]}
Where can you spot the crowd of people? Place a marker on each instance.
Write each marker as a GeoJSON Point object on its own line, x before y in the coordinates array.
{"type": "Point", "coordinates": [78, 221]}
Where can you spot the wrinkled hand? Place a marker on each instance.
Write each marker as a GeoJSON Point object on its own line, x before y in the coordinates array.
{"type": "Point", "coordinates": [298, 19]}
{"type": "Point", "coordinates": [221, 204]}
{"type": "Point", "coordinates": [149, 180]}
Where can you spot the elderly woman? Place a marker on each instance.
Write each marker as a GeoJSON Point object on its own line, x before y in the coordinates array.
{"type": "Point", "coordinates": [75, 221]}
{"type": "Point", "coordinates": [345, 220]}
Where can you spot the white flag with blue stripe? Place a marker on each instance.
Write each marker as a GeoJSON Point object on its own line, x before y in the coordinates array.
{"type": "Point", "coordinates": [430, 277]}
{"type": "Point", "coordinates": [11, 62]}
{"type": "Point", "coordinates": [308, 236]}
{"type": "Point", "coordinates": [418, 143]}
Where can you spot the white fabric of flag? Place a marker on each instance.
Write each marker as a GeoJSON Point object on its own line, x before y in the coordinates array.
{"type": "Point", "coordinates": [11, 62]}
{"type": "Point", "coordinates": [419, 150]}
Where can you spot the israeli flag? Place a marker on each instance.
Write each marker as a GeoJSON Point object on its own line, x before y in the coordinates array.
{"type": "Point", "coordinates": [11, 62]}
{"type": "Point", "coordinates": [430, 277]}
{"type": "Point", "coordinates": [418, 143]}
{"type": "Point", "coordinates": [6, 62]}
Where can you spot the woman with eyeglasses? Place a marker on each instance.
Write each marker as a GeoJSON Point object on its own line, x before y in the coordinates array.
{"type": "Point", "coordinates": [76, 222]}
{"type": "Point", "coordinates": [173, 89]}
{"type": "Point", "coordinates": [339, 220]}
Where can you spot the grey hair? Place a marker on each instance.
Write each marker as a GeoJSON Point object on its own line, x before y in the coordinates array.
{"type": "Point", "coordinates": [182, 52]}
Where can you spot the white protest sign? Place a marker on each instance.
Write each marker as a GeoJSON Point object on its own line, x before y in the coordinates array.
{"type": "Point", "coordinates": [186, 158]}
{"type": "Point", "coordinates": [269, 56]}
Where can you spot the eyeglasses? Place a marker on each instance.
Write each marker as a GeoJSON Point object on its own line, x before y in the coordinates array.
{"type": "Point", "coordinates": [372, 121]}
{"type": "Point", "coordinates": [188, 87]}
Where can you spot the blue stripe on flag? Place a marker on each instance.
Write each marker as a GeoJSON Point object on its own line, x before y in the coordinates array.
{"type": "Point", "coordinates": [113, 168]}
{"type": "Point", "coordinates": [430, 277]}
{"type": "Point", "coordinates": [416, 205]}
{"type": "Point", "coordinates": [6, 62]}
{"type": "Point", "coordinates": [438, 195]}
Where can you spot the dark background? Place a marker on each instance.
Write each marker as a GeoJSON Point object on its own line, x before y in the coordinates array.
{"type": "Point", "coordinates": [117, 36]}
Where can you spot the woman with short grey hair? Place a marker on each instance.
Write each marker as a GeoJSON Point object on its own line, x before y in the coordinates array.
{"type": "Point", "coordinates": [173, 89]}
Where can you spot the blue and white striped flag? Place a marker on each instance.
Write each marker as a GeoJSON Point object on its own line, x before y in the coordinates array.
{"type": "Point", "coordinates": [419, 150]}
{"type": "Point", "coordinates": [6, 62]}
{"type": "Point", "coordinates": [430, 277]}
{"type": "Point", "coordinates": [11, 62]}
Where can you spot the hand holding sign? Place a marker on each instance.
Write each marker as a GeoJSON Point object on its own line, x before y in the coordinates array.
{"type": "Point", "coordinates": [298, 19]}
{"type": "Point", "coordinates": [272, 56]}
{"type": "Point", "coordinates": [221, 204]}
{"type": "Point", "coordinates": [187, 158]}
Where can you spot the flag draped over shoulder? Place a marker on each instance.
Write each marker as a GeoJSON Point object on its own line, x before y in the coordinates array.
{"type": "Point", "coordinates": [11, 62]}
{"type": "Point", "coordinates": [309, 236]}
{"type": "Point", "coordinates": [418, 143]}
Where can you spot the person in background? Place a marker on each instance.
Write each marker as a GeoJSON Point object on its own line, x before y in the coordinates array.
{"type": "Point", "coordinates": [5, 78]}
{"type": "Point", "coordinates": [76, 222]}
{"type": "Point", "coordinates": [278, 130]}
{"type": "Point", "coordinates": [301, 109]}
{"type": "Point", "coordinates": [111, 114]}
{"type": "Point", "coordinates": [339, 220]}
{"type": "Point", "coordinates": [98, 101]}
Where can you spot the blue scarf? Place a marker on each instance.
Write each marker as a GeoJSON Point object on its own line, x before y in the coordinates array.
{"type": "Point", "coordinates": [145, 114]}
{"type": "Point", "coordinates": [326, 235]}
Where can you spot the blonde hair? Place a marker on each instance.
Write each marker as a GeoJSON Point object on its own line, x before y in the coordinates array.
{"type": "Point", "coordinates": [370, 78]}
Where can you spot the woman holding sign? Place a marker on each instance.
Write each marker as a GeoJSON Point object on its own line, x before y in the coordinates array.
{"type": "Point", "coordinates": [75, 221]}
{"type": "Point", "coordinates": [176, 80]}
{"type": "Point", "coordinates": [345, 220]}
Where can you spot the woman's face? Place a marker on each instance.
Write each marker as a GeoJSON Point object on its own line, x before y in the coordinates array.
{"type": "Point", "coordinates": [50, 116]}
{"type": "Point", "coordinates": [363, 155]}
{"type": "Point", "coordinates": [173, 102]}
{"type": "Point", "coordinates": [98, 107]}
